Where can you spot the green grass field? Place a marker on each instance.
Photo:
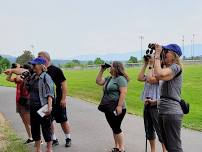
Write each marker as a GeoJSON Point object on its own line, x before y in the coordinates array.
{"type": "Point", "coordinates": [81, 84]}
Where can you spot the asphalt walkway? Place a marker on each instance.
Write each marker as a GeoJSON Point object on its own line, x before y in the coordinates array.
{"type": "Point", "coordinates": [90, 131]}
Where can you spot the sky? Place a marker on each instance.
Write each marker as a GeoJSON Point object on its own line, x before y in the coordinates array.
{"type": "Point", "coordinates": [68, 28]}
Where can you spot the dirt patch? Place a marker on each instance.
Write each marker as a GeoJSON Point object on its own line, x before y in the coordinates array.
{"type": "Point", "coordinates": [3, 139]}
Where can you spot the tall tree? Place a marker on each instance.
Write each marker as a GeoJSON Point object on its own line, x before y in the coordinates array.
{"type": "Point", "coordinates": [25, 57]}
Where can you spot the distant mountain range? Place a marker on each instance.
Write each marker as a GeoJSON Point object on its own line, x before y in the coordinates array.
{"type": "Point", "coordinates": [188, 52]}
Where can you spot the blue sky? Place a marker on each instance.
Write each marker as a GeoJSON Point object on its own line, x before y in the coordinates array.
{"type": "Point", "coordinates": [68, 28]}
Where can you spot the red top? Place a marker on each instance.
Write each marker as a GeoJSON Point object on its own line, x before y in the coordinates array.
{"type": "Point", "coordinates": [21, 90]}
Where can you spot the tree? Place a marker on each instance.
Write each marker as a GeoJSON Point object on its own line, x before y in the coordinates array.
{"type": "Point", "coordinates": [25, 57]}
{"type": "Point", "coordinates": [132, 60]}
{"type": "Point", "coordinates": [98, 61]}
{"type": "Point", "coordinates": [72, 64]}
{"type": "Point", "coordinates": [90, 62]}
{"type": "Point", "coordinates": [76, 61]}
{"type": "Point", "coordinates": [4, 63]}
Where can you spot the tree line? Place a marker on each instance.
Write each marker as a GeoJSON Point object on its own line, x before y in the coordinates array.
{"type": "Point", "coordinates": [97, 61]}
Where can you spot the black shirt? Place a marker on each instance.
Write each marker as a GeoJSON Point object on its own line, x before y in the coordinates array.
{"type": "Point", "coordinates": [58, 77]}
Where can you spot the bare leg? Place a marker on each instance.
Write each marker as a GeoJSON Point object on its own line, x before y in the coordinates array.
{"type": "Point", "coordinates": [153, 145]}
{"type": "Point", "coordinates": [120, 140]}
{"type": "Point", "coordinates": [65, 127]}
{"type": "Point", "coordinates": [49, 146]}
{"type": "Point", "coordinates": [26, 120]}
{"type": "Point", "coordinates": [163, 148]}
{"type": "Point", "coordinates": [116, 141]}
{"type": "Point", "coordinates": [52, 128]}
{"type": "Point", "coordinates": [38, 146]}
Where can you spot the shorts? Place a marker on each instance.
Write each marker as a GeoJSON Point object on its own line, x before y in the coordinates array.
{"type": "Point", "coordinates": [22, 109]}
{"type": "Point", "coordinates": [59, 113]}
{"type": "Point", "coordinates": [115, 121]}
{"type": "Point", "coordinates": [38, 123]}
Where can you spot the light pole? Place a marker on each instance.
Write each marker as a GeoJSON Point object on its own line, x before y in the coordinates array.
{"type": "Point", "coordinates": [183, 47]}
{"type": "Point", "coordinates": [32, 48]}
{"type": "Point", "coordinates": [141, 38]}
{"type": "Point", "coordinates": [191, 50]}
{"type": "Point", "coordinates": [193, 45]}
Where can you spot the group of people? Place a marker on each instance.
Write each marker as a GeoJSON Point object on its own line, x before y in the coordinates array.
{"type": "Point", "coordinates": [162, 114]}
{"type": "Point", "coordinates": [34, 92]}
{"type": "Point", "coordinates": [162, 91]}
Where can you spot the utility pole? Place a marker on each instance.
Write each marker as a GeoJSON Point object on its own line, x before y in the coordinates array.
{"type": "Point", "coordinates": [191, 49]}
{"type": "Point", "coordinates": [193, 45]}
{"type": "Point", "coordinates": [183, 47]}
{"type": "Point", "coordinates": [32, 48]}
{"type": "Point", "coordinates": [141, 38]}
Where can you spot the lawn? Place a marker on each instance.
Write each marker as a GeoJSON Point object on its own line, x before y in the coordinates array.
{"type": "Point", "coordinates": [81, 84]}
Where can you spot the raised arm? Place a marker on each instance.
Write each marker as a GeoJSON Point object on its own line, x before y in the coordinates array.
{"type": "Point", "coordinates": [9, 78]}
{"type": "Point", "coordinates": [161, 73]}
{"type": "Point", "coordinates": [141, 75]}
{"type": "Point", "coordinates": [100, 80]}
{"type": "Point", "coordinates": [17, 71]}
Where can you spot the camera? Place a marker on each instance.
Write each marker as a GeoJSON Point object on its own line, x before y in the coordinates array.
{"type": "Point", "coordinates": [28, 73]}
{"type": "Point", "coordinates": [25, 75]}
{"type": "Point", "coordinates": [106, 66]}
{"type": "Point", "coordinates": [151, 46]}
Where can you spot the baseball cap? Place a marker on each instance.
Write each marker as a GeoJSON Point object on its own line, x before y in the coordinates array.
{"type": "Point", "coordinates": [38, 60]}
{"type": "Point", "coordinates": [174, 47]}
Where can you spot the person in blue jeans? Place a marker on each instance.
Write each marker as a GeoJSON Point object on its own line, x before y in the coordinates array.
{"type": "Point", "coordinates": [41, 89]}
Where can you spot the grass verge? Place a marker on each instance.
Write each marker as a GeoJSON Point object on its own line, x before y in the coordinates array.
{"type": "Point", "coordinates": [9, 142]}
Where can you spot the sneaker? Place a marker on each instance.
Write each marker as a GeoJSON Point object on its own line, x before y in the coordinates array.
{"type": "Point", "coordinates": [29, 141]}
{"type": "Point", "coordinates": [115, 150]}
{"type": "Point", "coordinates": [55, 142]}
{"type": "Point", "coordinates": [68, 142]}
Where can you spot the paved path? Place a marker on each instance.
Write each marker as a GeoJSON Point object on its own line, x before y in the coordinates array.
{"type": "Point", "coordinates": [90, 131]}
